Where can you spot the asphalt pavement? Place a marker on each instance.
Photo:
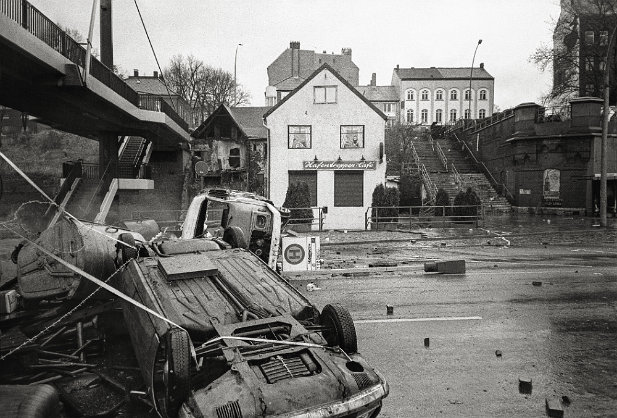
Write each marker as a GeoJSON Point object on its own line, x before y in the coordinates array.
{"type": "Point", "coordinates": [537, 302]}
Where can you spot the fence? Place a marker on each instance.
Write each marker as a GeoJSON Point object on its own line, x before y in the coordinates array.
{"type": "Point", "coordinates": [408, 217]}
{"type": "Point", "coordinates": [316, 219]}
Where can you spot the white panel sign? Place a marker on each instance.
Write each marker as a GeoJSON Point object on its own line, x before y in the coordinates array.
{"type": "Point", "coordinates": [301, 253]}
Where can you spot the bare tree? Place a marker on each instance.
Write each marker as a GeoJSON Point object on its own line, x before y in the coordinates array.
{"type": "Point", "coordinates": [577, 57]}
{"type": "Point", "coordinates": [398, 142]}
{"type": "Point", "coordinates": [203, 86]}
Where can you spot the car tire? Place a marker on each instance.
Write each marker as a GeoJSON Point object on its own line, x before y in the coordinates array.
{"type": "Point", "coordinates": [179, 370]}
{"type": "Point", "coordinates": [129, 250]}
{"type": "Point", "coordinates": [234, 236]}
{"type": "Point", "coordinates": [339, 329]}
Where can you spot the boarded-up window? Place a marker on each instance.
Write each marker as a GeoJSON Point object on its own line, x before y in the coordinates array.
{"type": "Point", "coordinates": [308, 177]}
{"type": "Point", "coordinates": [348, 188]}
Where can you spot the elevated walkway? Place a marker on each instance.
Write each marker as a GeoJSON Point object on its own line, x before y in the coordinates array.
{"type": "Point", "coordinates": [43, 74]}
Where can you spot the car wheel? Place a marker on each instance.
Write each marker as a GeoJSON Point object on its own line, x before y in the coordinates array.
{"type": "Point", "coordinates": [178, 377]}
{"type": "Point", "coordinates": [129, 250]}
{"type": "Point", "coordinates": [234, 236]}
{"type": "Point", "coordinates": [339, 329]}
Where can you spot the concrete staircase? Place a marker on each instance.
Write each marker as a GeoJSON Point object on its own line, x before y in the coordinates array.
{"type": "Point", "coordinates": [131, 156]}
{"type": "Point", "coordinates": [470, 174]}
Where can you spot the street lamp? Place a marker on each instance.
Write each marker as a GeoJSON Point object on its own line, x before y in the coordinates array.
{"type": "Point", "coordinates": [471, 74]}
{"type": "Point", "coordinates": [604, 143]}
{"type": "Point", "coordinates": [235, 62]}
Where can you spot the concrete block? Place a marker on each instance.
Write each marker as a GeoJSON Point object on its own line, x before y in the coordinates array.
{"type": "Point", "coordinates": [389, 310]}
{"type": "Point", "coordinates": [445, 267]}
{"type": "Point", "coordinates": [524, 385]}
{"type": "Point", "coordinates": [553, 407]}
{"type": "Point", "coordinates": [383, 264]}
{"type": "Point", "coordinates": [427, 342]}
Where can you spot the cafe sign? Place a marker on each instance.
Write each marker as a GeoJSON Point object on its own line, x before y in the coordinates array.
{"type": "Point", "coordinates": [340, 165]}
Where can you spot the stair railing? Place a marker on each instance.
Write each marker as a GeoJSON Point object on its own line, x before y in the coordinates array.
{"type": "Point", "coordinates": [428, 184]}
{"type": "Point", "coordinates": [501, 187]}
{"type": "Point", "coordinates": [442, 156]}
{"type": "Point", "coordinates": [457, 177]}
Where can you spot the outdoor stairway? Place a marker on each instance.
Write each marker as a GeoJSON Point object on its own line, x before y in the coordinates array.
{"type": "Point", "coordinates": [131, 156]}
{"type": "Point", "coordinates": [491, 201]}
{"type": "Point", "coordinates": [446, 182]}
{"type": "Point", "coordinates": [455, 155]}
{"type": "Point", "coordinates": [428, 156]}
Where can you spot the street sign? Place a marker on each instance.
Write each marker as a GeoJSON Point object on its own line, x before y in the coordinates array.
{"type": "Point", "coordinates": [300, 253]}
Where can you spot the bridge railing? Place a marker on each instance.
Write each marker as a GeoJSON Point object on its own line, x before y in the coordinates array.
{"type": "Point", "coordinates": [158, 104]}
{"type": "Point", "coordinates": [35, 22]}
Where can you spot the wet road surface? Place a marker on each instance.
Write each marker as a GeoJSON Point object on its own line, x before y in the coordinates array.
{"type": "Point", "coordinates": [561, 332]}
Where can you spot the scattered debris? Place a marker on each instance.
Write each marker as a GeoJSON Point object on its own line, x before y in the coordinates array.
{"type": "Point", "coordinates": [565, 400]}
{"type": "Point", "coordinates": [427, 342]}
{"type": "Point", "coordinates": [445, 267]}
{"type": "Point", "coordinates": [553, 407]}
{"type": "Point", "coordinates": [310, 287]}
{"type": "Point", "coordinates": [389, 310]}
{"type": "Point", "coordinates": [536, 283]}
{"type": "Point", "coordinates": [498, 353]}
{"type": "Point", "coordinates": [525, 385]}
{"type": "Point", "coordinates": [455, 402]}
{"type": "Point", "coordinates": [383, 264]}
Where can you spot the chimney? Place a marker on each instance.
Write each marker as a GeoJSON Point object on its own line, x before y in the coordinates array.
{"type": "Point", "coordinates": [397, 66]}
{"type": "Point", "coordinates": [346, 51]}
{"type": "Point", "coordinates": [294, 45]}
{"type": "Point", "coordinates": [155, 74]}
{"type": "Point", "coordinates": [481, 65]}
{"type": "Point", "coordinates": [374, 79]}
{"type": "Point", "coordinates": [135, 73]}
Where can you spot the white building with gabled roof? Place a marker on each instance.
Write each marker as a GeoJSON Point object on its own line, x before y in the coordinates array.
{"type": "Point", "coordinates": [327, 134]}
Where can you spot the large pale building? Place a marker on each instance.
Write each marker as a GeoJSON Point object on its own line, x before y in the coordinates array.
{"type": "Point", "coordinates": [442, 95]}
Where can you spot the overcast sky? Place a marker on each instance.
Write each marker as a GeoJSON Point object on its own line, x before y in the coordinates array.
{"type": "Point", "coordinates": [382, 34]}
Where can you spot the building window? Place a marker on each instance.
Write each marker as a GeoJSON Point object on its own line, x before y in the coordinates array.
{"type": "Point", "coordinates": [424, 95]}
{"type": "Point", "coordinates": [482, 94]}
{"type": "Point", "coordinates": [589, 64]}
{"type": "Point", "coordinates": [352, 136]}
{"type": "Point", "coordinates": [590, 89]}
{"type": "Point", "coordinates": [467, 114]}
{"type": "Point", "coordinates": [438, 115]}
{"type": "Point", "coordinates": [453, 95]}
{"type": "Point", "coordinates": [482, 113]}
{"type": "Point", "coordinates": [467, 95]}
{"type": "Point", "coordinates": [348, 188]}
{"type": "Point", "coordinates": [409, 116]}
{"type": "Point", "coordinates": [452, 115]}
{"type": "Point", "coordinates": [388, 107]}
{"type": "Point", "coordinates": [299, 136]}
{"type": "Point", "coordinates": [308, 177]}
{"type": "Point", "coordinates": [424, 116]}
{"type": "Point", "coordinates": [234, 158]}
{"type": "Point", "coordinates": [409, 95]}
{"type": "Point", "coordinates": [439, 95]}
{"type": "Point", "coordinates": [589, 38]}
{"type": "Point", "coordinates": [602, 64]}
{"type": "Point", "coordinates": [604, 38]}
{"type": "Point", "coordinates": [324, 94]}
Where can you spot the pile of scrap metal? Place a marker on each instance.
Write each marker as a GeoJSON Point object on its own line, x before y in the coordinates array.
{"type": "Point", "coordinates": [215, 330]}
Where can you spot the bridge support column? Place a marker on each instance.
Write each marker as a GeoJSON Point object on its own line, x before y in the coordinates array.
{"type": "Point", "coordinates": [108, 168]}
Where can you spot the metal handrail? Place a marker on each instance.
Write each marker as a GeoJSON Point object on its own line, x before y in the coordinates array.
{"type": "Point", "coordinates": [442, 156]}
{"type": "Point", "coordinates": [430, 186]}
{"type": "Point", "coordinates": [487, 172]}
{"type": "Point", "coordinates": [457, 177]}
{"type": "Point", "coordinates": [432, 215]}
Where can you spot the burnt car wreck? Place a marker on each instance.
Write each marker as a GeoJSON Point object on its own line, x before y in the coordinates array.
{"type": "Point", "coordinates": [215, 330]}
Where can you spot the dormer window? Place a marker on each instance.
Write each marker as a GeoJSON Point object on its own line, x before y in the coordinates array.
{"type": "Point", "coordinates": [324, 94]}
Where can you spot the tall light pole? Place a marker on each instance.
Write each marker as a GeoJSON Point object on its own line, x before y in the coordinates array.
{"type": "Point", "coordinates": [471, 74]}
{"type": "Point", "coordinates": [604, 144]}
{"type": "Point", "coordinates": [235, 63]}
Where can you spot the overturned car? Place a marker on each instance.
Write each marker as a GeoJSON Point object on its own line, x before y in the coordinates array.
{"type": "Point", "coordinates": [239, 340]}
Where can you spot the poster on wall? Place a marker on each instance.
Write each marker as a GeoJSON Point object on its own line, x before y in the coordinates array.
{"type": "Point", "coordinates": [552, 183]}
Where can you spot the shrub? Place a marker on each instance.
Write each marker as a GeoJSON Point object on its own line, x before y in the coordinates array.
{"type": "Point", "coordinates": [299, 196]}
{"type": "Point", "coordinates": [387, 199]}
{"type": "Point", "coordinates": [470, 200]}
{"type": "Point", "coordinates": [442, 199]}
{"type": "Point", "coordinates": [410, 191]}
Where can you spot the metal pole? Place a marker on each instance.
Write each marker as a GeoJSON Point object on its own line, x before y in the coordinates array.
{"type": "Point", "coordinates": [604, 149]}
{"type": "Point", "coordinates": [235, 62]}
{"type": "Point", "coordinates": [471, 74]}
{"type": "Point", "coordinates": [89, 46]}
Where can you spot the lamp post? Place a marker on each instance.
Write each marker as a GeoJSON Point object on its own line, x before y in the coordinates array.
{"type": "Point", "coordinates": [471, 74]}
{"type": "Point", "coordinates": [604, 143]}
{"type": "Point", "coordinates": [235, 63]}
